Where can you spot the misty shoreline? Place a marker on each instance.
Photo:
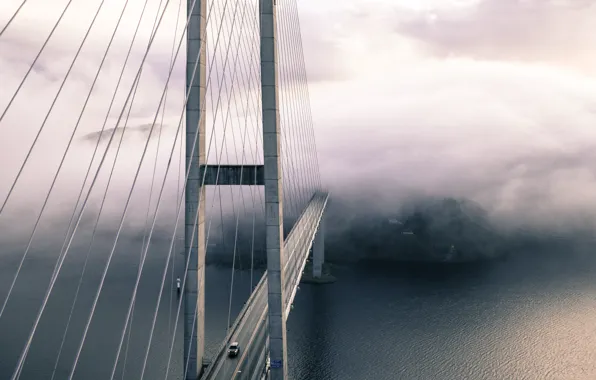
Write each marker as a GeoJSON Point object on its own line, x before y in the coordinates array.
{"type": "Point", "coordinates": [441, 230]}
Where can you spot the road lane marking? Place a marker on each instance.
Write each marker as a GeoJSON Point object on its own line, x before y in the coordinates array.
{"type": "Point", "coordinates": [245, 352]}
{"type": "Point", "coordinates": [222, 356]}
{"type": "Point", "coordinates": [289, 268]}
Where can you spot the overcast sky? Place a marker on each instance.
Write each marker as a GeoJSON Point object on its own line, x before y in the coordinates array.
{"type": "Point", "coordinates": [494, 100]}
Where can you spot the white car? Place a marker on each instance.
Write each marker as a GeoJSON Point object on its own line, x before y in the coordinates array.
{"type": "Point", "coordinates": [234, 350]}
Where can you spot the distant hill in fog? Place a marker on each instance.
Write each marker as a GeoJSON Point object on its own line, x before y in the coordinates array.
{"type": "Point", "coordinates": [429, 230]}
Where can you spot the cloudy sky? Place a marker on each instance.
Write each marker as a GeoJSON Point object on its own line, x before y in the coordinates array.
{"type": "Point", "coordinates": [494, 100]}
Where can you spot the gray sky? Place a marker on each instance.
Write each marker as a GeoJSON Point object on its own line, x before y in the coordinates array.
{"type": "Point", "coordinates": [489, 99]}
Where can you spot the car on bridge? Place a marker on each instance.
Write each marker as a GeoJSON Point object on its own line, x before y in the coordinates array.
{"type": "Point", "coordinates": [234, 350]}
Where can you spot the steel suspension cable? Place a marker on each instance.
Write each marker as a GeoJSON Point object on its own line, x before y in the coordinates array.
{"type": "Point", "coordinates": [125, 209]}
{"type": "Point", "coordinates": [180, 302]}
{"type": "Point", "coordinates": [101, 132]}
{"type": "Point", "coordinates": [245, 136]}
{"type": "Point", "coordinates": [103, 200]}
{"type": "Point", "coordinates": [290, 122]}
{"type": "Point", "coordinates": [310, 167]}
{"type": "Point", "coordinates": [99, 214]}
{"type": "Point", "coordinates": [11, 19]}
{"type": "Point", "coordinates": [186, 270]}
{"type": "Point", "coordinates": [288, 95]}
{"type": "Point", "coordinates": [256, 141]}
{"type": "Point", "coordinates": [293, 38]}
{"type": "Point", "coordinates": [150, 234]}
{"type": "Point", "coordinates": [236, 216]}
{"type": "Point", "coordinates": [256, 109]}
{"type": "Point", "coordinates": [154, 173]}
{"type": "Point", "coordinates": [252, 244]}
{"type": "Point", "coordinates": [194, 227]}
{"type": "Point", "coordinates": [33, 64]}
{"type": "Point", "coordinates": [307, 93]}
{"type": "Point", "coordinates": [47, 197]}
{"type": "Point", "coordinates": [71, 221]}
{"type": "Point", "coordinates": [163, 277]}
{"type": "Point", "coordinates": [12, 187]}
{"type": "Point", "coordinates": [61, 260]}
{"type": "Point", "coordinates": [306, 99]}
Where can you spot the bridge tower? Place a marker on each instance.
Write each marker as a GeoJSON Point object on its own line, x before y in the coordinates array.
{"type": "Point", "coordinates": [194, 237]}
{"type": "Point", "coordinates": [201, 175]}
{"type": "Point", "coordinates": [273, 191]}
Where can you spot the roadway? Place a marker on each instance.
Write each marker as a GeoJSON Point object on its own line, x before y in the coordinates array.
{"type": "Point", "coordinates": [250, 327]}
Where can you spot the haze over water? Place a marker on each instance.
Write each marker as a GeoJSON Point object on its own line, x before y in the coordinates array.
{"type": "Point", "coordinates": [529, 316]}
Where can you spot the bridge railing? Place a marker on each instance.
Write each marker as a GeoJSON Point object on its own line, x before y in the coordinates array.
{"type": "Point", "coordinates": [300, 264]}
{"type": "Point", "coordinates": [249, 305]}
{"type": "Point", "coordinates": [263, 363]}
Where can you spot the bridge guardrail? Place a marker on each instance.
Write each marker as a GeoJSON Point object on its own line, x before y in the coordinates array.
{"type": "Point", "coordinates": [248, 306]}
{"type": "Point", "coordinates": [261, 367]}
{"type": "Point", "coordinates": [311, 239]}
{"type": "Point", "coordinates": [291, 263]}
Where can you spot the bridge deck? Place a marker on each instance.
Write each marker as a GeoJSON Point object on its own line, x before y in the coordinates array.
{"type": "Point", "coordinates": [250, 327]}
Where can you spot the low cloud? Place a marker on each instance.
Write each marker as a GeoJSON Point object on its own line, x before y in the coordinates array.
{"type": "Point", "coordinates": [517, 139]}
{"type": "Point", "coordinates": [557, 32]}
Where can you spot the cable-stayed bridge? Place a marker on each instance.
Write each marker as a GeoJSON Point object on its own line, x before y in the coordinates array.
{"type": "Point", "coordinates": [186, 121]}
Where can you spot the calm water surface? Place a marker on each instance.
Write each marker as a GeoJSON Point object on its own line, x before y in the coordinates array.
{"type": "Point", "coordinates": [531, 316]}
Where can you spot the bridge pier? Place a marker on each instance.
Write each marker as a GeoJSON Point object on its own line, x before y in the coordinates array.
{"type": "Point", "coordinates": [194, 237]}
{"type": "Point", "coordinates": [318, 251]}
{"type": "Point", "coordinates": [273, 191]}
